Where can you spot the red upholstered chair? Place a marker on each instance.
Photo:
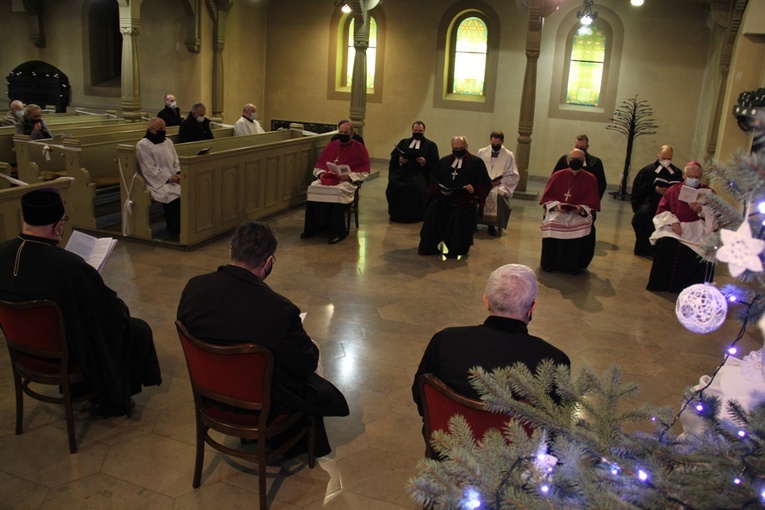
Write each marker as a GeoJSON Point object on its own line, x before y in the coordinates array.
{"type": "Point", "coordinates": [34, 332]}
{"type": "Point", "coordinates": [232, 395]}
{"type": "Point", "coordinates": [440, 403]}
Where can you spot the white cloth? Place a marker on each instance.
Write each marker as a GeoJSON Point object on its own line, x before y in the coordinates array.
{"type": "Point", "coordinates": [693, 232]}
{"type": "Point", "coordinates": [245, 127]}
{"type": "Point", "coordinates": [339, 193]}
{"type": "Point", "coordinates": [501, 166]}
{"type": "Point", "coordinates": [157, 163]}
{"type": "Point", "coordinates": [565, 225]}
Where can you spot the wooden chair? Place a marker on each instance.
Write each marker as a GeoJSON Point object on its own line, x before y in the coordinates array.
{"type": "Point", "coordinates": [440, 403]}
{"type": "Point", "coordinates": [353, 209]}
{"type": "Point", "coordinates": [232, 395]}
{"type": "Point", "coordinates": [34, 332]}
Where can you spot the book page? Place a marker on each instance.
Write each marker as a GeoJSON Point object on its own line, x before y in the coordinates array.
{"type": "Point", "coordinates": [338, 169]}
{"type": "Point", "coordinates": [688, 194]}
{"type": "Point", "coordinates": [81, 244]}
{"type": "Point", "coordinates": [93, 250]}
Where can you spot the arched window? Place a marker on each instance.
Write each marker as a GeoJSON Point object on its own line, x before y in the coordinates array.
{"type": "Point", "coordinates": [371, 54]}
{"type": "Point", "coordinates": [470, 46]}
{"type": "Point", "coordinates": [467, 57]}
{"type": "Point", "coordinates": [585, 72]}
{"type": "Point", "coordinates": [585, 69]}
{"type": "Point", "coordinates": [342, 54]}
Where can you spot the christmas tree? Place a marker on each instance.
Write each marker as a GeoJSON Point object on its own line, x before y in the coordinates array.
{"type": "Point", "coordinates": [581, 454]}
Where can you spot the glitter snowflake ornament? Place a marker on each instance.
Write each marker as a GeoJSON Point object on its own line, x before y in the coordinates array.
{"type": "Point", "coordinates": [740, 250]}
{"type": "Point", "coordinates": [701, 308]}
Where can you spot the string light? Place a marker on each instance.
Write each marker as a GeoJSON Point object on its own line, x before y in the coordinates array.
{"type": "Point", "coordinates": [699, 407]}
{"type": "Point", "coordinates": [761, 207]}
{"type": "Point", "coordinates": [741, 433]}
{"type": "Point", "coordinates": [737, 481]}
{"type": "Point", "coordinates": [545, 489]}
{"type": "Point", "coordinates": [472, 499]}
{"type": "Point", "coordinates": [642, 475]}
{"type": "Point", "coordinates": [732, 351]}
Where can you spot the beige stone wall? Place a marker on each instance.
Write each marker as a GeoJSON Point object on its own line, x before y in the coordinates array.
{"type": "Point", "coordinates": [276, 55]}
{"type": "Point", "coordinates": [664, 60]}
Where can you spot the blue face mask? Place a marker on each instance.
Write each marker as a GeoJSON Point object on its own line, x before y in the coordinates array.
{"type": "Point", "coordinates": [692, 182]}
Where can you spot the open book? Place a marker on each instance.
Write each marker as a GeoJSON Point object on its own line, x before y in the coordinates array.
{"type": "Point", "coordinates": [688, 194]}
{"type": "Point", "coordinates": [338, 169]}
{"type": "Point", "coordinates": [93, 250]}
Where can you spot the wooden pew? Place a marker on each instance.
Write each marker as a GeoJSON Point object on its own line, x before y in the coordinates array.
{"type": "Point", "coordinates": [10, 204]}
{"type": "Point", "coordinates": [90, 159]}
{"type": "Point", "coordinates": [243, 178]}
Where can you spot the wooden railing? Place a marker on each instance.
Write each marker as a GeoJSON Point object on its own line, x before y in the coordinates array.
{"type": "Point", "coordinates": [242, 178]}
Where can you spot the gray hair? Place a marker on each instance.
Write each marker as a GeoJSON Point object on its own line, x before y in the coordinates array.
{"type": "Point", "coordinates": [511, 290]}
{"type": "Point", "coordinates": [464, 139]}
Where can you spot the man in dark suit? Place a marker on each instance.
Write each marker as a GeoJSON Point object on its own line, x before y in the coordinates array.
{"type": "Point", "coordinates": [501, 341]}
{"type": "Point", "coordinates": [234, 305]}
{"type": "Point", "coordinates": [592, 164]}
{"type": "Point", "coordinates": [195, 127]}
{"type": "Point", "coordinates": [171, 114]}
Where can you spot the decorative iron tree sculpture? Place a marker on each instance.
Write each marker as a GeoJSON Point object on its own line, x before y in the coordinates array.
{"type": "Point", "coordinates": [632, 118]}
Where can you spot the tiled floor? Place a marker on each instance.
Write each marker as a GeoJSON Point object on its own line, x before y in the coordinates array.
{"type": "Point", "coordinates": [372, 304]}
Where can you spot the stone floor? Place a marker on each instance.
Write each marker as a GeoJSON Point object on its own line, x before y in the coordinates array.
{"type": "Point", "coordinates": [372, 304]}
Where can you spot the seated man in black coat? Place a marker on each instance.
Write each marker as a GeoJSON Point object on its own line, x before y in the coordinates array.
{"type": "Point", "coordinates": [196, 126]}
{"type": "Point", "coordinates": [113, 348]}
{"type": "Point", "coordinates": [234, 305]}
{"type": "Point", "coordinates": [501, 341]}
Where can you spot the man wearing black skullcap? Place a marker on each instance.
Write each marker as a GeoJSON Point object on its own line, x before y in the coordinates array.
{"type": "Point", "coordinates": [112, 348]}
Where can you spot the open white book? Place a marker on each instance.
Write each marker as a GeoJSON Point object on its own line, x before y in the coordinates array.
{"type": "Point", "coordinates": [93, 250]}
{"type": "Point", "coordinates": [338, 169]}
{"type": "Point", "coordinates": [688, 194]}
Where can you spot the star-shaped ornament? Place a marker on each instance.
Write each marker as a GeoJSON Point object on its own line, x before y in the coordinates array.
{"type": "Point", "coordinates": [741, 251]}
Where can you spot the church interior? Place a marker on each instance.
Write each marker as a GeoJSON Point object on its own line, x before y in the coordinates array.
{"type": "Point", "coordinates": [372, 303]}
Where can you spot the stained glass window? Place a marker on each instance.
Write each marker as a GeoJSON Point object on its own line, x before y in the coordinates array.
{"type": "Point", "coordinates": [585, 73]}
{"type": "Point", "coordinates": [470, 48]}
{"type": "Point", "coordinates": [371, 54]}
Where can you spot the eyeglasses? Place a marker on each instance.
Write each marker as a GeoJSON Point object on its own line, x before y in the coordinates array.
{"type": "Point", "coordinates": [64, 219]}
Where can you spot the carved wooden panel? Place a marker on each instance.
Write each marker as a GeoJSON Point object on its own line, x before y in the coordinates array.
{"type": "Point", "coordinates": [203, 213]}
{"type": "Point", "coordinates": [272, 184]}
{"type": "Point", "coordinates": [253, 187]}
{"type": "Point", "coordinates": [229, 199]}
{"type": "Point", "coordinates": [289, 184]}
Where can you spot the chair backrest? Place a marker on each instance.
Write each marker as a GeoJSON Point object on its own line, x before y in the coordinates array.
{"type": "Point", "coordinates": [440, 403]}
{"type": "Point", "coordinates": [35, 328]}
{"type": "Point", "coordinates": [235, 375]}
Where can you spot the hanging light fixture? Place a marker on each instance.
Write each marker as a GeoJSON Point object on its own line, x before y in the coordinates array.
{"type": "Point", "coordinates": [637, 3]}
{"type": "Point", "coordinates": [345, 7]}
{"type": "Point", "coordinates": [586, 16]}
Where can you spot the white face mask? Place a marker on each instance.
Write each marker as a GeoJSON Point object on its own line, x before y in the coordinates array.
{"type": "Point", "coordinates": [665, 162]}
{"type": "Point", "coordinates": [692, 182]}
{"type": "Point", "coordinates": [19, 113]}
{"type": "Point", "coordinates": [253, 115]}
{"type": "Point", "coordinates": [172, 105]}
{"type": "Point", "coordinates": [200, 118]}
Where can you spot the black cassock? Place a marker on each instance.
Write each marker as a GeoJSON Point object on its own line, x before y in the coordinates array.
{"type": "Point", "coordinates": [645, 201]}
{"type": "Point", "coordinates": [407, 190]}
{"type": "Point", "coordinates": [110, 346]}
{"type": "Point", "coordinates": [452, 219]}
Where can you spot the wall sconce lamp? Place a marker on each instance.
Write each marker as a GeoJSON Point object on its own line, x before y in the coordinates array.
{"type": "Point", "coordinates": [586, 16]}
{"type": "Point", "coordinates": [345, 7]}
{"type": "Point", "coordinates": [636, 3]}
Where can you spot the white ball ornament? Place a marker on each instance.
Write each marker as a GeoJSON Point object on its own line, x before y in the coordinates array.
{"type": "Point", "coordinates": [701, 308]}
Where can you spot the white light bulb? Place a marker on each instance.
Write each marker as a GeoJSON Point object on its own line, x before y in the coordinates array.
{"type": "Point", "coordinates": [545, 489]}
{"type": "Point", "coordinates": [741, 433]}
{"type": "Point", "coordinates": [732, 351]}
{"type": "Point", "coordinates": [761, 207]}
{"type": "Point", "coordinates": [637, 3]}
{"type": "Point", "coordinates": [642, 475]}
{"type": "Point", "coordinates": [346, 8]}
{"type": "Point", "coordinates": [586, 20]}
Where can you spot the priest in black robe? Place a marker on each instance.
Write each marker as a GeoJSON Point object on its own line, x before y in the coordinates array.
{"type": "Point", "coordinates": [412, 162]}
{"type": "Point", "coordinates": [460, 182]}
{"type": "Point", "coordinates": [649, 186]}
{"type": "Point", "coordinates": [171, 114]}
{"type": "Point", "coordinates": [113, 349]}
{"type": "Point", "coordinates": [592, 164]}
{"type": "Point", "coordinates": [196, 127]}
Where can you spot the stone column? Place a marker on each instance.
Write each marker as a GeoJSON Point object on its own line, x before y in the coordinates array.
{"type": "Point", "coordinates": [358, 108]}
{"type": "Point", "coordinates": [218, 10]}
{"type": "Point", "coordinates": [130, 25]}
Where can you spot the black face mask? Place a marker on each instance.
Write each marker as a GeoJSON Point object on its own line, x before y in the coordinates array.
{"type": "Point", "coordinates": [157, 137]}
{"type": "Point", "coordinates": [344, 138]}
{"type": "Point", "coordinates": [417, 136]}
{"type": "Point", "coordinates": [495, 148]}
{"type": "Point", "coordinates": [576, 164]}
{"type": "Point", "coordinates": [459, 153]}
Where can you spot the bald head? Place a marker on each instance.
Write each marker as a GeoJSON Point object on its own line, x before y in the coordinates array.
{"type": "Point", "coordinates": [156, 124]}
{"type": "Point", "coordinates": [249, 110]}
{"type": "Point", "coordinates": [666, 152]}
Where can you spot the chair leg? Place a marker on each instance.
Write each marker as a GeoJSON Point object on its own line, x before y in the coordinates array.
{"type": "Point", "coordinates": [312, 440]}
{"type": "Point", "coordinates": [200, 456]}
{"type": "Point", "coordinates": [262, 456]}
{"type": "Point", "coordinates": [69, 419]}
{"type": "Point", "coordinates": [17, 382]}
{"type": "Point", "coordinates": [356, 215]}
